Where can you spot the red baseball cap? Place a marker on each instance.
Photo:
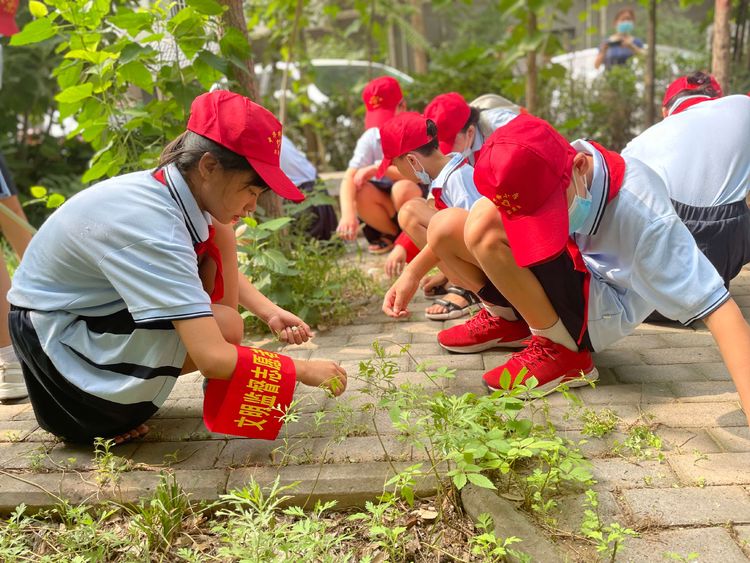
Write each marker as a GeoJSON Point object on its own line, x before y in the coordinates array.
{"type": "Point", "coordinates": [381, 97]}
{"type": "Point", "coordinates": [525, 168]}
{"type": "Point", "coordinates": [450, 112]}
{"type": "Point", "coordinates": [244, 127]}
{"type": "Point", "coordinates": [403, 133]}
{"type": "Point", "coordinates": [682, 84]}
{"type": "Point", "coordinates": [8, 9]}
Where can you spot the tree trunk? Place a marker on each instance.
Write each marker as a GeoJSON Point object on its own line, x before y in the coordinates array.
{"type": "Point", "coordinates": [531, 71]}
{"type": "Point", "coordinates": [417, 22]}
{"type": "Point", "coordinates": [650, 83]}
{"type": "Point", "coordinates": [721, 55]}
{"type": "Point", "coordinates": [235, 17]}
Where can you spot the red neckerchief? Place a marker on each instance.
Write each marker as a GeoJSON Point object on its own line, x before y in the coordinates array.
{"type": "Point", "coordinates": [207, 247]}
{"type": "Point", "coordinates": [438, 192]}
{"type": "Point", "coordinates": [682, 106]}
{"type": "Point", "coordinates": [616, 168]}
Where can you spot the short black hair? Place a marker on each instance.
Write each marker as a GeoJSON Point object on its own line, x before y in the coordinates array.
{"type": "Point", "coordinates": [702, 81]}
{"type": "Point", "coordinates": [473, 119]}
{"type": "Point", "coordinates": [428, 148]}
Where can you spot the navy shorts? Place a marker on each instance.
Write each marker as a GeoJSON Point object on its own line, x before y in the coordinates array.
{"type": "Point", "coordinates": [564, 287]}
{"type": "Point", "coordinates": [60, 407]}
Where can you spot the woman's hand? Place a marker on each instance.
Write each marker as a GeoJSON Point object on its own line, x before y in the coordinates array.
{"type": "Point", "coordinates": [288, 327]}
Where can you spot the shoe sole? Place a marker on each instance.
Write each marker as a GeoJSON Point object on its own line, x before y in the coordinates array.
{"type": "Point", "coordinates": [486, 346]}
{"type": "Point", "coordinates": [547, 388]}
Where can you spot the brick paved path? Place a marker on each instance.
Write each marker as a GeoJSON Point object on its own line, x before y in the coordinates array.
{"type": "Point", "coordinates": [696, 500]}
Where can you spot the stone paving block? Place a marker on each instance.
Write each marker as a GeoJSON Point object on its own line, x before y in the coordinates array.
{"type": "Point", "coordinates": [696, 415]}
{"type": "Point", "coordinates": [632, 393]}
{"type": "Point", "coordinates": [457, 361]}
{"type": "Point", "coordinates": [22, 412]}
{"type": "Point", "coordinates": [662, 328]}
{"type": "Point", "coordinates": [183, 455]}
{"type": "Point", "coordinates": [711, 545]}
{"type": "Point", "coordinates": [187, 390]}
{"type": "Point", "coordinates": [203, 484]}
{"type": "Point", "coordinates": [658, 374]}
{"type": "Point", "coordinates": [704, 391]}
{"type": "Point", "coordinates": [741, 300]}
{"type": "Point", "coordinates": [494, 358]}
{"type": "Point", "coordinates": [733, 438]}
{"type": "Point", "coordinates": [16, 430]}
{"type": "Point", "coordinates": [614, 358]}
{"type": "Point", "coordinates": [743, 536]}
{"type": "Point", "coordinates": [181, 408]}
{"type": "Point", "coordinates": [625, 474]}
{"type": "Point", "coordinates": [418, 350]}
{"type": "Point", "coordinates": [467, 381]}
{"type": "Point", "coordinates": [714, 371]}
{"type": "Point", "coordinates": [11, 411]}
{"type": "Point", "coordinates": [639, 342]}
{"type": "Point", "coordinates": [563, 418]}
{"type": "Point", "coordinates": [571, 511]}
{"type": "Point", "coordinates": [712, 469]}
{"type": "Point", "coordinates": [43, 436]}
{"type": "Point", "coordinates": [430, 328]}
{"type": "Point", "coordinates": [592, 447]}
{"type": "Point", "coordinates": [386, 337]}
{"type": "Point", "coordinates": [688, 340]}
{"type": "Point", "coordinates": [172, 429]}
{"type": "Point", "coordinates": [22, 455]}
{"type": "Point", "coordinates": [343, 354]}
{"type": "Point", "coordinates": [687, 440]}
{"type": "Point", "coordinates": [687, 355]}
{"type": "Point", "coordinates": [690, 506]}
{"type": "Point", "coordinates": [81, 457]}
{"type": "Point", "coordinates": [38, 490]}
{"type": "Point", "coordinates": [425, 337]}
{"type": "Point", "coordinates": [330, 482]}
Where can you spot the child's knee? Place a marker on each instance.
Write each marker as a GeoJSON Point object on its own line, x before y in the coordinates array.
{"type": "Point", "coordinates": [484, 231]}
{"type": "Point", "coordinates": [408, 215]}
{"type": "Point", "coordinates": [445, 225]}
{"type": "Point", "coordinates": [230, 323]}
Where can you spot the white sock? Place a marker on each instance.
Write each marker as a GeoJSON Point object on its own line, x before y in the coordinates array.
{"type": "Point", "coordinates": [506, 313]}
{"type": "Point", "coordinates": [8, 355]}
{"type": "Point", "coordinates": [557, 333]}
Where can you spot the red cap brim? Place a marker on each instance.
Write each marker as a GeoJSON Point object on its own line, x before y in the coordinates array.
{"type": "Point", "coordinates": [383, 168]}
{"type": "Point", "coordinates": [540, 237]}
{"type": "Point", "coordinates": [8, 25]}
{"type": "Point", "coordinates": [378, 117]}
{"type": "Point", "coordinates": [277, 180]}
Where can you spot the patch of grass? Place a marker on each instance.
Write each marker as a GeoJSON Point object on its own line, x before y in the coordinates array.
{"type": "Point", "coordinates": [598, 424]}
{"type": "Point", "coordinates": [641, 442]}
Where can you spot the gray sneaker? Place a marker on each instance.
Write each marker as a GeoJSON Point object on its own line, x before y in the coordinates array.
{"type": "Point", "coordinates": [12, 385]}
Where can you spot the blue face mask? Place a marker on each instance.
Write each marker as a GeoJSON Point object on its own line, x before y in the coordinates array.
{"type": "Point", "coordinates": [579, 209]}
{"type": "Point", "coordinates": [625, 27]}
{"type": "Point", "coordinates": [422, 176]}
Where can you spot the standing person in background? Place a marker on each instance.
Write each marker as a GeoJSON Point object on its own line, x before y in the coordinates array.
{"type": "Point", "coordinates": [12, 386]}
{"type": "Point", "coordinates": [621, 45]}
{"type": "Point", "coordinates": [364, 195]}
{"type": "Point", "coordinates": [302, 173]}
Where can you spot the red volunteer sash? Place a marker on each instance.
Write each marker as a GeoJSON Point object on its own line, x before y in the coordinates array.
{"type": "Point", "coordinates": [436, 193]}
{"type": "Point", "coordinates": [405, 241]}
{"type": "Point", "coordinates": [616, 168]}
{"type": "Point", "coordinates": [207, 247]}
{"type": "Point", "coordinates": [252, 402]}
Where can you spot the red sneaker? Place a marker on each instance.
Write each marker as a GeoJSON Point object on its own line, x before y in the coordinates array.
{"type": "Point", "coordinates": [482, 332]}
{"type": "Point", "coordinates": [551, 364]}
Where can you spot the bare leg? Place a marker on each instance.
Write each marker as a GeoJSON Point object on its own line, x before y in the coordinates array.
{"type": "Point", "coordinates": [4, 306]}
{"type": "Point", "coordinates": [376, 209]}
{"type": "Point", "coordinates": [485, 238]}
{"type": "Point", "coordinates": [403, 191]}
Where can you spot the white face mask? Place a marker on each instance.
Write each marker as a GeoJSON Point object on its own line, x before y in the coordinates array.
{"type": "Point", "coordinates": [422, 176]}
{"type": "Point", "coordinates": [580, 207]}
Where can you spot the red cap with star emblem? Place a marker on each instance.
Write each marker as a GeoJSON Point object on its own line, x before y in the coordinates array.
{"type": "Point", "coordinates": [525, 168]}
{"type": "Point", "coordinates": [404, 133]}
{"type": "Point", "coordinates": [689, 83]}
{"type": "Point", "coordinates": [244, 127]}
{"type": "Point", "coordinates": [381, 97]}
{"type": "Point", "coordinates": [450, 112]}
{"type": "Point", "coordinates": [8, 10]}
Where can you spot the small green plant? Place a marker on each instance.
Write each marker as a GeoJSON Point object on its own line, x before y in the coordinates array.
{"type": "Point", "coordinates": [674, 556]}
{"type": "Point", "coordinates": [107, 465]}
{"type": "Point", "coordinates": [159, 519]}
{"type": "Point", "coordinates": [598, 424]}
{"type": "Point", "coordinates": [641, 443]}
{"type": "Point", "coordinates": [608, 539]}
{"type": "Point", "coordinates": [489, 547]}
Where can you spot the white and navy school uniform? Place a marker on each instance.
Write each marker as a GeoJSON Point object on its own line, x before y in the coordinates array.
{"type": "Point", "coordinates": [94, 299]}
{"type": "Point", "coordinates": [454, 186]}
{"type": "Point", "coordinates": [369, 151]}
{"type": "Point", "coordinates": [490, 121]}
{"type": "Point", "coordinates": [702, 156]}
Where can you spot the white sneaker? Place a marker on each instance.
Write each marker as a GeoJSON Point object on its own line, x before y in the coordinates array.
{"type": "Point", "coordinates": [12, 385]}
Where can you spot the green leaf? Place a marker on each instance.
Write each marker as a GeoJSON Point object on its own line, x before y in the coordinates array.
{"type": "Point", "coordinates": [97, 170]}
{"type": "Point", "coordinates": [276, 224]}
{"type": "Point", "coordinates": [132, 22]}
{"type": "Point", "coordinates": [505, 379]}
{"type": "Point", "coordinates": [207, 7]}
{"type": "Point", "coordinates": [480, 480]}
{"type": "Point", "coordinates": [55, 200]}
{"type": "Point", "coordinates": [74, 94]}
{"type": "Point", "coordinates": [135, 72]}
{"type": "Point", "coordinates": [34, 32]}
{"type": "Point", "coordinates": [133, 51]}
{"type": "Point", "coordinates": [459, 480]}
{"type": "Point", "coordinates": [37, 9]}
{"type": "Point", "coordinates": [214, 61]}
{"type": "Point", "coordinates": [38, 191]}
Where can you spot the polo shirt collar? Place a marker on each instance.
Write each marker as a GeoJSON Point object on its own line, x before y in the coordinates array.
{"type": "Point", "coordinates": [599, 188]}
{"type": "Point", "coordinates": [196, 221]}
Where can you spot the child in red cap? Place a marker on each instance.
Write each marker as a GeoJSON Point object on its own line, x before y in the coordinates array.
{"type": "Point", "coordinates": [375, 197]}
{"type": "Point", "coordinates": [410, 141]}
{"type": "Point", "coordinates": [580, 245]}
{"type": "Point", "coordinates": [700, 151]}
{"type": "Point", "coordinates": [109, 306]}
